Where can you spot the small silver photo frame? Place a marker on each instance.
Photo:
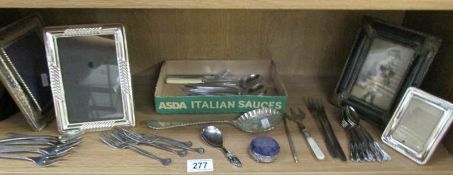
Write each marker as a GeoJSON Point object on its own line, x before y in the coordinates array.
{"type": "Point", "coordinates": [24, 72]}
{"type": "Point", "coordinates": [418, 125]}
{"type": "Point", "coordinates": [90, 76]}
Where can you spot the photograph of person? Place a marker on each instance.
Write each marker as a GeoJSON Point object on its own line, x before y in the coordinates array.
{"type": "Point", "coordinates": [382, 73]}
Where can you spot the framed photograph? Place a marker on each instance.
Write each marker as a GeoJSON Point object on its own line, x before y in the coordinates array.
{"type": "Point", "coordinates": [384, 62]}
{"type": "Point", "coordinates": [90, 76]}
{"type": "Point", "coordinates": [24, 72]}
{"type": "Point", "coordinates": [418, 124]}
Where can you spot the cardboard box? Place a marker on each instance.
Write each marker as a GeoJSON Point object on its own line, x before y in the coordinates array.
{"type": "Point", "coordinates": [170, 99]}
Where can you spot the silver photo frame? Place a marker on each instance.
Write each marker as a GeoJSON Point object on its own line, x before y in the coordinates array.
{"type": "Point", "coordinates": [418, 125]}
{"type": "Point", "coordinates": [24, 72]}
{"type": "Point", "coordinates": [90, 76]}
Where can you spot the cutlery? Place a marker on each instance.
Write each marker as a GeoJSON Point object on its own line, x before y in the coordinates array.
{"type": "Point", "coordinates": [317, 110]}
{"type": "Point", "coordinates": [298, 116]}
{"type": "Point", "coordinates": [112, 141]}
{"type": "Point", "coordinates": [213, 136]}
{"type": "Point", "coordinates": [258, 120]}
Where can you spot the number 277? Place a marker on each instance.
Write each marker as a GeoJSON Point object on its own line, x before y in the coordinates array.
{"type": "Point", "coordinates": [199, 165]}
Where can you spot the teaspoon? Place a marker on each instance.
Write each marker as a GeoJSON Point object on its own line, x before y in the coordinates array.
{"type": "Point", "coordinates": [213, 136]}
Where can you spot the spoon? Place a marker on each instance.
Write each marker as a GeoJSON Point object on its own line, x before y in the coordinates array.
{"type": "Point", "coordinates": [351, 116]}
{"type": "Point", "coordinates": [222, 90]}
{"type": "Point", "coordinates": [194, 79]}
{"type": "Point", "coordinates": [246, 85]}
{"type": "Point", "coordinates": [213, 136]}
{"type": "Point", "coordinates": [363, 146]}
{"type": "Point", "coordinates": [212, 79]}
{"type": "Point", "coordinates": [258, 120]}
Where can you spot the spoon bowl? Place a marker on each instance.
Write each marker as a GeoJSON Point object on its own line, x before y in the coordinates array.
{"type": "Point", "coordinates": [249, 81]}
{"type": "Point", "coordinates": [213, 136]}
{"type": "Point", "coordinates": [350, 117]}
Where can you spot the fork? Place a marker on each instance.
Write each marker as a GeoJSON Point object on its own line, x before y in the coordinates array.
{"type": "Point", "coordinates": [317, 110]}
{"type": "Point", "coordinates": [155, 138]}
{"type": "Point", "coordinates": [55, 139]}
{"type": "Point", "coordinates": [49, 151]}
{"type": "Point", "coordinates": [169, 140]}
{"type": "Point", "coordinates": [37, 141]}
{"type": "Point", "coordinates": [298, 116]}
{"type": "Point", "coordinates": [41, 161]}
{"type": "Point", "coordinates": [116, 143]}
{"type": "Point", "coordinates": [131, 139]}
{"type": "Point", "coordinates": [173, 143]}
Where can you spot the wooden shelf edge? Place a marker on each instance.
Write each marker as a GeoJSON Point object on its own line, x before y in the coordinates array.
{"type": "Point", "coordinates": [236, 4]}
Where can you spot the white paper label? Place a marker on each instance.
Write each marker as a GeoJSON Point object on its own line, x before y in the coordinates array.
{"type": "Point", "coordinates": [265, 123]}
{"type": "Point", "coordinates": [199, 165]}
{"type": "Point", "coordinates": [44, 80]}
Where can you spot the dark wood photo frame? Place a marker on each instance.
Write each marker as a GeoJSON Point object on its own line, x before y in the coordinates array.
{"type": "Point", "coordinates": [385, 60]}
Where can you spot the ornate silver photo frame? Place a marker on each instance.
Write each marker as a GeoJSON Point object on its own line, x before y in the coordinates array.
{"type": "Point", "coordinates": [90, 76]}
{"type": "Point", "coordinates": [385, 61]}
{"type": "Point", "coordinates": [418, 125]}
{"type": "Point", "coordinates": [24, 72]}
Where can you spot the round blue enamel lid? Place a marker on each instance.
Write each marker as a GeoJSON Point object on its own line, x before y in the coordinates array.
{"type": "Point", "coordinates": [264, 146]}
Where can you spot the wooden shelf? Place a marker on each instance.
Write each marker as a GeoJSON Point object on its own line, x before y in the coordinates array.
{"type": "Point", "coordinates": [306, 42]}
{"type": "Point", "coordinates": [237, 4]}
{"type": "Point", "coordinates": [93, 157]}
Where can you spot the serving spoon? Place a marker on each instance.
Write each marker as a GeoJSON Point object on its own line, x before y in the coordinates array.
{"type": "Point", "coordinates": [258, 120]}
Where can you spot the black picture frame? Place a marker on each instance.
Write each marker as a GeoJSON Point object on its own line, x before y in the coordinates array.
{"type": "Point", "coordinates": [384, 61]}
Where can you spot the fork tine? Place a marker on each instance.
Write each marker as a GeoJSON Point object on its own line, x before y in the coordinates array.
{"type": "Point", "coordinates": [321, 105]}
{"type": "Point", "coordinates": [294, 112]}
{"type": "Point", "coordinates": [121, 136]}
{"type": "Point", "coordinates": [58, 156]}
{"type": "Point", "coordinates": [309, 103]}
{"type": "Point", "coordinates": [288, 112]}
{"type": "Point", "coordinates": [50, 162]}
{"type": "Point", "coordinates": [316, 105]}
{"type": "Point", "coordinates": [301, 112]}
{"type": "Point", "coordinates": [106, 139]}
{"type": "Point", "coordinates": [104, 135]}
{"type": "Point", "coordinates": [128, 134]}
